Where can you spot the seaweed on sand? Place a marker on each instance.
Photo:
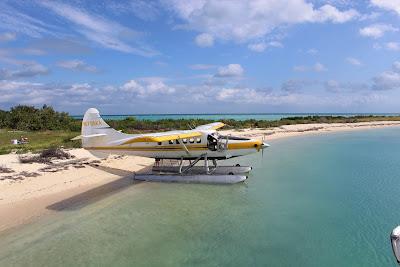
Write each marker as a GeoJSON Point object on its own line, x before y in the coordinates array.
{"type": "Point", "coordinates": [46, 156]}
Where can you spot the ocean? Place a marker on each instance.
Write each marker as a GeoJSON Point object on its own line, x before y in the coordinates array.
{"type": "Point", "coordinates": [240, 117]}
{"type": "Point", "coordinates": [317, 200]}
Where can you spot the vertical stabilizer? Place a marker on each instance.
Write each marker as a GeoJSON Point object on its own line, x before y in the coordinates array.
{"type": "Point", "coordinates": [96, 132]}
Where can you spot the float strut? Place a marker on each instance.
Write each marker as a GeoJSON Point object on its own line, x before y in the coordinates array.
{"type": "Point", "coordinates": [206, 164]}
{"type": "Point", "coordinates": [181, 165]}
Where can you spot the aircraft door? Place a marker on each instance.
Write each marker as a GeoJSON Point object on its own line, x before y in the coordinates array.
{"type": "Point", "coordinates": [212, 143]}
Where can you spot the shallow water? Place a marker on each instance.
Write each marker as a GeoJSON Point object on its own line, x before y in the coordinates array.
{"type": "Point", "coordinates": [323, 200]}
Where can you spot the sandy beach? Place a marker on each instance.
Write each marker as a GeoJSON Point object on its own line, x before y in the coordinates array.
{"type": "Point", "coordinates": [29, 191]}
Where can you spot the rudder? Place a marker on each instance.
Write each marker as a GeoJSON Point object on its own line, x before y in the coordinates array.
{"type": "Point", "coordinates": [95, 131]}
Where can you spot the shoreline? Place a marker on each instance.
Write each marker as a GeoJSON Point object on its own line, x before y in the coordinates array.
{"type": "Point", "coordinates": [307, 129]}
{"type": "Point", "coordinates": [40, 192]}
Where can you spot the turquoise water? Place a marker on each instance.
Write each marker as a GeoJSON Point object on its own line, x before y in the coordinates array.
{"type": "Point", "coordinates": [240, 117]}
{"type": "Point", "coordinates": [324, 200]}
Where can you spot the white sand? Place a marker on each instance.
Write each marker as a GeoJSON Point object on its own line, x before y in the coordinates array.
{"type": "Point", "coordinates": [23, 200]}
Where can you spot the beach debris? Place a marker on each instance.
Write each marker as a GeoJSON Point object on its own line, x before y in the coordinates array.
{"type": "Point", "coordinates": [29, 174]}
{"type": "Point", "coordinates": [4, 169]}
{"type": "Point", "coordinates": [60, 166]}
{"type": "Point", "coordinates": [78, 166]}
{"type": "Point", "coordinates": [33, 159]}
{"type": "Point", "coordinates": [50, 169]}
{"type": "Point", "coordinates": [6, 177]}
{"type": "Point", "coordinates": [19, 176]}
{"type": "Point", "coordinates": [55, 153]}
{"type": "Point", "coordinates": [46, 156]}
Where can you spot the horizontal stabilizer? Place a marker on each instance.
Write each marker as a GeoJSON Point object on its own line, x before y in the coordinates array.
{"type": "Point", "coordinates": [79, 137]}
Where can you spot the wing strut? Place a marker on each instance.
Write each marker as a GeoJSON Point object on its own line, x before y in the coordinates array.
{"type": "Point", "coordinates": [184, 146]}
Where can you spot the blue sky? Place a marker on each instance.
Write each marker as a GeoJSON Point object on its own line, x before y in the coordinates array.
{"type": "Point", "coordinates": [201, 56]}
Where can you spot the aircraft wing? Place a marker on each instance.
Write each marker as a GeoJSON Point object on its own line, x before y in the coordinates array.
{"type": "Point", "coordinates": [162, 137]}
{"type": "Point", "coordinates": [210, 126]}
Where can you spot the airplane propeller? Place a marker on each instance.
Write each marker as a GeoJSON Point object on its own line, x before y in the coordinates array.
{"type": "Point", "coordinates": [263, 146]}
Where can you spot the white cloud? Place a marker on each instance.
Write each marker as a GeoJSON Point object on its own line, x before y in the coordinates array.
{"type": "Point", "coordinates": [202, 66]}
{"type": "Point", "coordinates": [23, 93]}
{"type": "Point", "coordinates": [7, 36]}
{"type": "Point", "coordinates": [28, 69]}
{"type": "Point", "coordinates": [275, 44]}
{"type": "Point", "coordinates": [393, 46]}
{"type": "Point", "coordinates": [247, 95]}
{"type": "Point", "coordinates": [76, 65]}
{"type": "Point", "coordinates": [370, 16]}
{"type": "Point", "coordinates": [377, 30]}
{"type": "Point", "coordinates": [389, 79]}
{"type": "Point", "coordinates": [312, 51]}
{"type": "Point", "coordinates": [131, 86]}
{"type": "Point", "coordinates": [300, 68]}
{"type": "Point", "coordinates": [244, 21]}
{"type": "Point", "coordinates": [261, 46]}
{"type": "Point", "coordinates": [353, 61]}
{"type": "Point", "coordinates": [292, 86]}
{"type": "Point", "coordinates": [153, 94]}
{"type": "Point", "coordinates": [147, 87]}
{"type": "Point", "coordinates": [145, 10]}
{"type": "Point", "coordinates": [104, 32]}
{"type": "Point", "coordinates": [391, 5]}
{"type": "Point", "coordinates": [331, 13]}
{"type": "Point", "coordinates": [334, 86]}
{"type": "Point", "coordinates": [80, 89]}
{"type": "Point", "coordinates": [231, 70]}
{"type": "Point", "coordinates": [317, 67]}
{"type": "Point", "coordinates": [13, 20]}
{"type": "Point", "coordinates": [204, 40]}
{"type": "Point", "coordinates": [13, 85]}
{"type": "Point", "coordinates": [257, 47]}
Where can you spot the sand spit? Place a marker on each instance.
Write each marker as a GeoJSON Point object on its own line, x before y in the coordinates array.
{"type": "Point", "coordinates": [30, 190]}
{"type": "Point", "coordinates": [303, 129]}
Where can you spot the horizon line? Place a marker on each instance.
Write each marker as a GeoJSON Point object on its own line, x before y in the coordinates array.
{"type": "Point", "coordinates": [257, 113]}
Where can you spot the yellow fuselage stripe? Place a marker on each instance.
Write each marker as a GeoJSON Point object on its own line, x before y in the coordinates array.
{"type": "Point", "coordinates": [142, 139]}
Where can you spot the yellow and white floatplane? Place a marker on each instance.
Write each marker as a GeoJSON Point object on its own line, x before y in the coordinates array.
{"type": "Point", "coordinates": [186, 148]}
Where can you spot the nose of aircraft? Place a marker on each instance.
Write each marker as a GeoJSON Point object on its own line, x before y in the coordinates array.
{"type": "Point", "coordinates": [264, 145]}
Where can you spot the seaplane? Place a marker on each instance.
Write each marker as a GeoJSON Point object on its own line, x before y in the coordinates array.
{"type": "Point", "coordinates": [185, 149]}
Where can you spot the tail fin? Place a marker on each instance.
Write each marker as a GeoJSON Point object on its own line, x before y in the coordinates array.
{"type": "Point", "coordinates": [95, 131]}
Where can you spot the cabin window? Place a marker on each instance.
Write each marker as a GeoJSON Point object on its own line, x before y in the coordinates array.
{"type": "Point", "coordinates": [171, 142]}
{"type": "Point", "coordinates": [198, 140]}
{"type": "Point", "coordinates": [177, 142]}
{"type": "Point", "coordinates": [159, 143]}
{"type": "Point", "coordinates": [184, 141]}
{"type": "Point", "coordinates": [191, 140]}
